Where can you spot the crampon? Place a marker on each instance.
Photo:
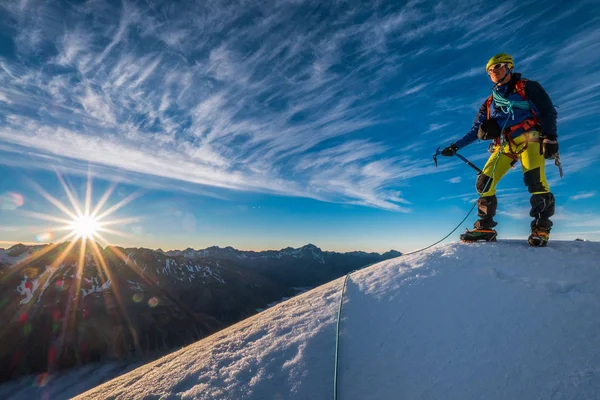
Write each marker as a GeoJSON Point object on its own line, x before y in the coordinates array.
{"type": "Point", "coordinates": [479, 235]}
{"type": "Point", "coordinates": [538, 238]}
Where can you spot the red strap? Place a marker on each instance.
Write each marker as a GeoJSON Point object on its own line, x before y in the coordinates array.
{"type": "Point", "coordinates": [527, 125]}
{"type": "Point", "coordinates": [520, 87]}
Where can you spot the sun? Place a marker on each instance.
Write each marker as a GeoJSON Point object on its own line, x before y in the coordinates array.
{"type": "Point", "coordinates": [85, 222]}
{"type": "Point", "coordinates": [85, 226]}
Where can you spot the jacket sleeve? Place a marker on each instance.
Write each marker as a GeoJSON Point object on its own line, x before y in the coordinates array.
{"type": "Point", "coordinates": [546, 111]}
{"type": "Point", "coordinates": [471, 136]}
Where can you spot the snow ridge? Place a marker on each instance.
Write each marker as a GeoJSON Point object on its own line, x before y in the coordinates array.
{"type": "Point", "coordinates": [495, 321]}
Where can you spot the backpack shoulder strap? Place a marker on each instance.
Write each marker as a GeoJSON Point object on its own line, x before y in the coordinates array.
{"type": "Point", "coordinates": [488, 105]}
{"type": "Point", "coordinates": [520, 88]}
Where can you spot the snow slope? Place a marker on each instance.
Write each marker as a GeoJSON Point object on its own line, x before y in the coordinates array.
{"type": "Point", "coordinates": [480, 321]}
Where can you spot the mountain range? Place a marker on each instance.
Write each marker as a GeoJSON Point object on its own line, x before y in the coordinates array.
{"type": "Point", "coordinates": [72, 303]}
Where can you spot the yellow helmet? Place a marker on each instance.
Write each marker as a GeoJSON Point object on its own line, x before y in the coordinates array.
{"type": "Point", "coordinates": [500, 58]}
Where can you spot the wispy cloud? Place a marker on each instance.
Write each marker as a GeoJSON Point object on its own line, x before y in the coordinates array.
{"type": "Point", "coordinates": [4, 99]}
{"type": "Point", "coordinates": [248, 96]}
{"type": "Point", "coordinates": [474, 71]}
{"type": "Point", "coordinates": [456, 179]}
{"type": "Point", "coordinates": [518, 214]}
{"type": "Point", "coordinates": [437, 127]}
{"type": "Point", "coordinates": [581, 196]}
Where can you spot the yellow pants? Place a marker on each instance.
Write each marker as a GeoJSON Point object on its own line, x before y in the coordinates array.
{"type": "Point", "coordinates": [532, 163]}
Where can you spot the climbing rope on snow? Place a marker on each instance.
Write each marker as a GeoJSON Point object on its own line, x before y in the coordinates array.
{"type": "Point", "coordinates": [337, 338]}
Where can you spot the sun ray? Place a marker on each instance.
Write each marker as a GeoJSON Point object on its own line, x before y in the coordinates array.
{"type": "Point", "coordinates": [53, 267]}
{"type": "Point", "coordinates": [114, 232]}
{"type": "Point", "coordinates": [63, 255]}
{"type": "Point", "coordinates": [88, 194]}
{"type": "Point", "coordinates": [120, 221]}
{"type": "Point", "coordinates": [148, 280]}
{"type": "Point", "coordinates": [101, 275]}
{"type": "Point", "coordinates": [72, 199]}
{"type": "Point", "coordinates": [102, 240]}
{"type": "Point", "coordinates": [59, 228]}
{"type": "Point", "coordinates": [120, 204]}
{"type": "Point", "coordinates": [38, 254]}
{"type": "Point", "coordinates": [52, 200]}
{"type": "Point", "coordinates": [45, 217]}
{"type": "Point", "coordinates": [73, 300]}
{"type": "Point", "coordinates": [104, 199]}
{"type": "Point", "coordinates": [117, 293]}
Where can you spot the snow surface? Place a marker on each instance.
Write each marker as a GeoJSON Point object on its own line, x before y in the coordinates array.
{"type": "Point", "coordinates": [458, 321]}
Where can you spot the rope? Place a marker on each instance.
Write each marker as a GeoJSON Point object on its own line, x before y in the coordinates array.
{"type": "Point", "coordinates": [337, 338]}
{"type": "Point", "coordinates": [506, 106]}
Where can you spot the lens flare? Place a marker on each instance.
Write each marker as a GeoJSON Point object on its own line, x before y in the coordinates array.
{"type": "Point", "coordinates": [11, 201]}
{"type": "Point", "coordinates": [42, 380]}
{"type": "Point", "coordinates": [44, 237]}
{"type": "Point", "coordinates": [31, 272]}
{"type": "Point", "coordinates": [153, 302]}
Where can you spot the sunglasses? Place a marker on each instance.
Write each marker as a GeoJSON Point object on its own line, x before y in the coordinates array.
{"type": "Point", "coordinates": [495, 67]}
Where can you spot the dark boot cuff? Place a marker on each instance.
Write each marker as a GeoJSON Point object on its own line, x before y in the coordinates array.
{"type": "Point", "coordinates": [485, 224]}
{"type": "Point", "coordinates": [544, 224]}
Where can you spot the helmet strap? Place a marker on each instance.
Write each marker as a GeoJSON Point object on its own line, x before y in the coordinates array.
{"type": "Point", "coordinates": [508, 72]}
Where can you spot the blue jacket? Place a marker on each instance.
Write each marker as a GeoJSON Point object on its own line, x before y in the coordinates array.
{"type": "Point", "coordinates": [535, 94]}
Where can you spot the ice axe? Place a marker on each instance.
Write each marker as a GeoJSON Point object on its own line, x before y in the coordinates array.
{"type": "Point", "coordinates": [469, 163]}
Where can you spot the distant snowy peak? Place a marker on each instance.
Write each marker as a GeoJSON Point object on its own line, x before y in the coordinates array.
{"type": "Point", "coordinates": [307, 251]}
{"type": "Point", "coordinates": [19, 250]}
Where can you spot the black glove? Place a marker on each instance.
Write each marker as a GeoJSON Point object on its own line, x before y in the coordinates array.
{"type": "Point", "coordinates": [450, 150]}
{"type": "Point", "coordinates": [550, 147]}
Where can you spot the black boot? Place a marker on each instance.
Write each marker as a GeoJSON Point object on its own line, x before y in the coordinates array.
{"type": "Point", "coordinates": [476, 235]}
{"type": "Point", "coordinates": [542, 208]}
{"type": "Point", "coordinates": [486, 210]}
{"type": "Point", "coordinates": [483, 228]}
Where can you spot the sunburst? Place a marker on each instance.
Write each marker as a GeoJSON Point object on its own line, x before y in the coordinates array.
{"type": "Point", "coordinates": [81, 221]}
{"type": "Point", "coordinates": [84, 226]}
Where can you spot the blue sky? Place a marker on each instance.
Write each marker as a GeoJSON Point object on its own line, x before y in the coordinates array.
{"type": "Point", "coordinates": [268, 124]}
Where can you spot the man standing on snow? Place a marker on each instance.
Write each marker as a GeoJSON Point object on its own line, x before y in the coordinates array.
{"type": "Point", "coordinates": [521, 120]}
